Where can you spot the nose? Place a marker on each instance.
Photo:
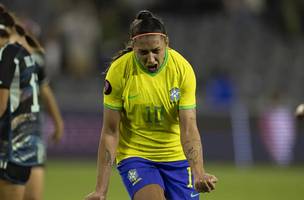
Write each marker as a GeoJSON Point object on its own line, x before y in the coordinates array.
{"type": "Point", "coordinates": [150, 58]}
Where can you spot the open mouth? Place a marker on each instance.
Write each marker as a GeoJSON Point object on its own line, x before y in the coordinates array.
{"type": "Point", "coordinates": [152, 68]}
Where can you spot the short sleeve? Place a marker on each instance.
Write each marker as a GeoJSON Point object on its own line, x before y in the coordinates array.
{"type": "Point", "coordinates": [39, 59]}
{"type": "Point", "coordinates": [7, 66]}
{"type": "Point", "coordinates": [113, 88]}
{"type": "Point", "coordinates": [188, 89]}
{"type": "Point", "coordinates": [42, 79]}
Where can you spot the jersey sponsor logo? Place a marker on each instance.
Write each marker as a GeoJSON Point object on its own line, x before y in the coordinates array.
{"type": "Point", "coordinates": [107, 87]}
{"type": "Point", "coordinates": [174, 94]}
{"type": "Point", "coordinates": [133, 176]}
{"type": "Point", "coordinates": [193, 194]}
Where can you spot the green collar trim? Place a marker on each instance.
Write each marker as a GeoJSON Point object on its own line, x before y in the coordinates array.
{"type": "Point", "coordinates": [159, 69]}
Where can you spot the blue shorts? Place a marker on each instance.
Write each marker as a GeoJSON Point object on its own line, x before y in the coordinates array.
{"type": "Point", "coordinates": [174, 177]}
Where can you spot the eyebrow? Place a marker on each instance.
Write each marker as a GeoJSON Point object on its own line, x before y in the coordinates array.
{"type": "Point", "coordinates": [154, 49]}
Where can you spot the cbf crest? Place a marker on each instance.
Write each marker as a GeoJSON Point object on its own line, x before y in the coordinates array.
{"type": "Point", "coordinates": [133, 176]}
{"type": "Point", "coordinates": [174, 95]}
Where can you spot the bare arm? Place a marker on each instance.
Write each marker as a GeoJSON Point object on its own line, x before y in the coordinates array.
{"type": "Point", "coordinates": [106, 153]}
{"type": "Point", "coordinates": [3, 100]}
{"type": "Point", "coordinates": [49, 100]}
{"type": "Point", "coordinates": [192, 146]}
{"type": "Point", "coordinates": [191, 141]}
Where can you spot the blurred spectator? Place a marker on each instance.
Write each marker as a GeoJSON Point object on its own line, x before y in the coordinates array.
{"type": "Point", "coordinates": [286, 15]}
{"type": "Point", "coordinates": [81, 32]}
{"type": "Point", "coordinates": [53, 56]}
{"type": "Point", "coordinates": [239, 6]}
{"type": "Point", "coordinates": [278, 130]}
{"type": "Point", "coordinates": [219, 90]}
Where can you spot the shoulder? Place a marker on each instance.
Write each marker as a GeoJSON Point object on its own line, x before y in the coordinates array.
{"type": "Point", "coordinates": [175, 54]}
{"type": "Point", "coordinates": [9, 49]}
{"type": "Point", "coordinates": [180, 62]}
{"type": "Point", "coordinates": [122, 65]}
{"type": "Point", "coordinates": [14, 50]}
{"type": "Point", "coordinates": [39, 58]}
{"type": "Point", "coordinates": [14, 47]}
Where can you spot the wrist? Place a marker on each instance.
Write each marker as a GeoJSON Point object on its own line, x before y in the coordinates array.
{"type": "Point", "coordinates": [101, 189]}
{"type": "Point", "coordinates": [100, 192]}
{"type": "Point", "coordinates": [197, 171]}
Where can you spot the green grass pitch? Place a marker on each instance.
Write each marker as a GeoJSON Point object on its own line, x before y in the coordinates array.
{"type": "Point", "coordinates": [72, 180]}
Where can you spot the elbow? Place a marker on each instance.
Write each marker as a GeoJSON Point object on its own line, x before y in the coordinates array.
{"type": "Point", "coordinates": [191, 134]}
{"type": "Point", "coordinates": [113, 132]}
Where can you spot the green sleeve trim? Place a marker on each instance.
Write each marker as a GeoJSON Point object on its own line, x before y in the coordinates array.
{"type": "Point", "coordinates": [187, 107]}
{"type": "Point", "coordinates": [112, 107]}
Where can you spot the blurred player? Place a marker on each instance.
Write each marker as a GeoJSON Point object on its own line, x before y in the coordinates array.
{"type": "Point", "coordinates": [34, 187]}
{"type": "Point", "coordinates": [300, 111]}
{"type": "Point", "coordinates": [278, 130]}
{"type": "Point", "coordinates": [2, 8]}
{"type": "Point", "coordinates": [19, 109]}
{"type": "Point", "coordinates": [149, 121]}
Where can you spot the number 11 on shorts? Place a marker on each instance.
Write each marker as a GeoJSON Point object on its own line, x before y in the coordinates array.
{"type": "Point", "coordinates": [189, 178]}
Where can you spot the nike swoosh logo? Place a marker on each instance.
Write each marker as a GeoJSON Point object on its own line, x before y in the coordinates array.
{"type": "Point", "coordinates": [192, 195]}
{"type": "Point", "coordinates": [133, 96]}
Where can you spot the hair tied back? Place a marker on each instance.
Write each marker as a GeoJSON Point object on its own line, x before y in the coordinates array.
{"type": "Point", "coordinates": [144, 14]}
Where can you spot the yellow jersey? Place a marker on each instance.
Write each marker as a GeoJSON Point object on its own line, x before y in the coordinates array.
{"type": "Point", "coordinates": [149, 105]}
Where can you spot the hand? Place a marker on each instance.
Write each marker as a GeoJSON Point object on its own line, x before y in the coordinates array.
{"type": "Point", "coordinates": [58, 133]}
{"type": "Point", "coordinates": [95, 196]}
{"type": "Point", "coordinates": [206, 183]}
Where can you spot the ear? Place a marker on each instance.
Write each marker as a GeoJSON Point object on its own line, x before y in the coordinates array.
{"type": "Point", "coordinates": [131, 43]}
{"type": "Point", "coordinates": [167, 41]}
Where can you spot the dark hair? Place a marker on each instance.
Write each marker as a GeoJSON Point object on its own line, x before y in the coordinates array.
{"type": "Point", "coordinates": [3, 34]}
{"type": "Point", "coordinates": [6, 19]}
{"type": "Point", "coordinates": [20, 30]}
{"type": "Point", "coordinates": [34, 43]}
{"type": "Point", "coordinates": [144, 22]}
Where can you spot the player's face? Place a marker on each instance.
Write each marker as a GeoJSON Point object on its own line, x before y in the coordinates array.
{"type": "Point", "coordinates": [150, 51]}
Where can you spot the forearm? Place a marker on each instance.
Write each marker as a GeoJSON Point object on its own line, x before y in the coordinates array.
{"type": "Point", "coordinates": [106, 159]}
{"type": "Point", "coordinates": [2, 109]}
{"type": "Point", "coordinates": [51, 106]}
{"type": "Point", "coordinates": [3, 100]}
{"type": "Point", "coordinates": [192, 147]}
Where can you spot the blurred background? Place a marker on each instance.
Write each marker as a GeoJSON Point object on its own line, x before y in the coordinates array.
{"type": "Point", "coordinates": [248, 56]}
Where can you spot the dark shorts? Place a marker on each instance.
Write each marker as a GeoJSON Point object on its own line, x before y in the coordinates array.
{"type": "Point", "coordinates": [15, 174]}
{"type": "Point", "coordinates": [174, 177]}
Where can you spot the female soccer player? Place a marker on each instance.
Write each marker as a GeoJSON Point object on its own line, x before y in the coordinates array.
{"type": "Point", "coordinates": [34, 187]}
{"type": "Point", "coordinates": [149, 121]}
{"type": "Point", "coordinates": [19, 109]}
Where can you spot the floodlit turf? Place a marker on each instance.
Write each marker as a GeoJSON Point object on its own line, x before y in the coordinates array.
{"type": "Point", "coordinates": [72, 180]}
